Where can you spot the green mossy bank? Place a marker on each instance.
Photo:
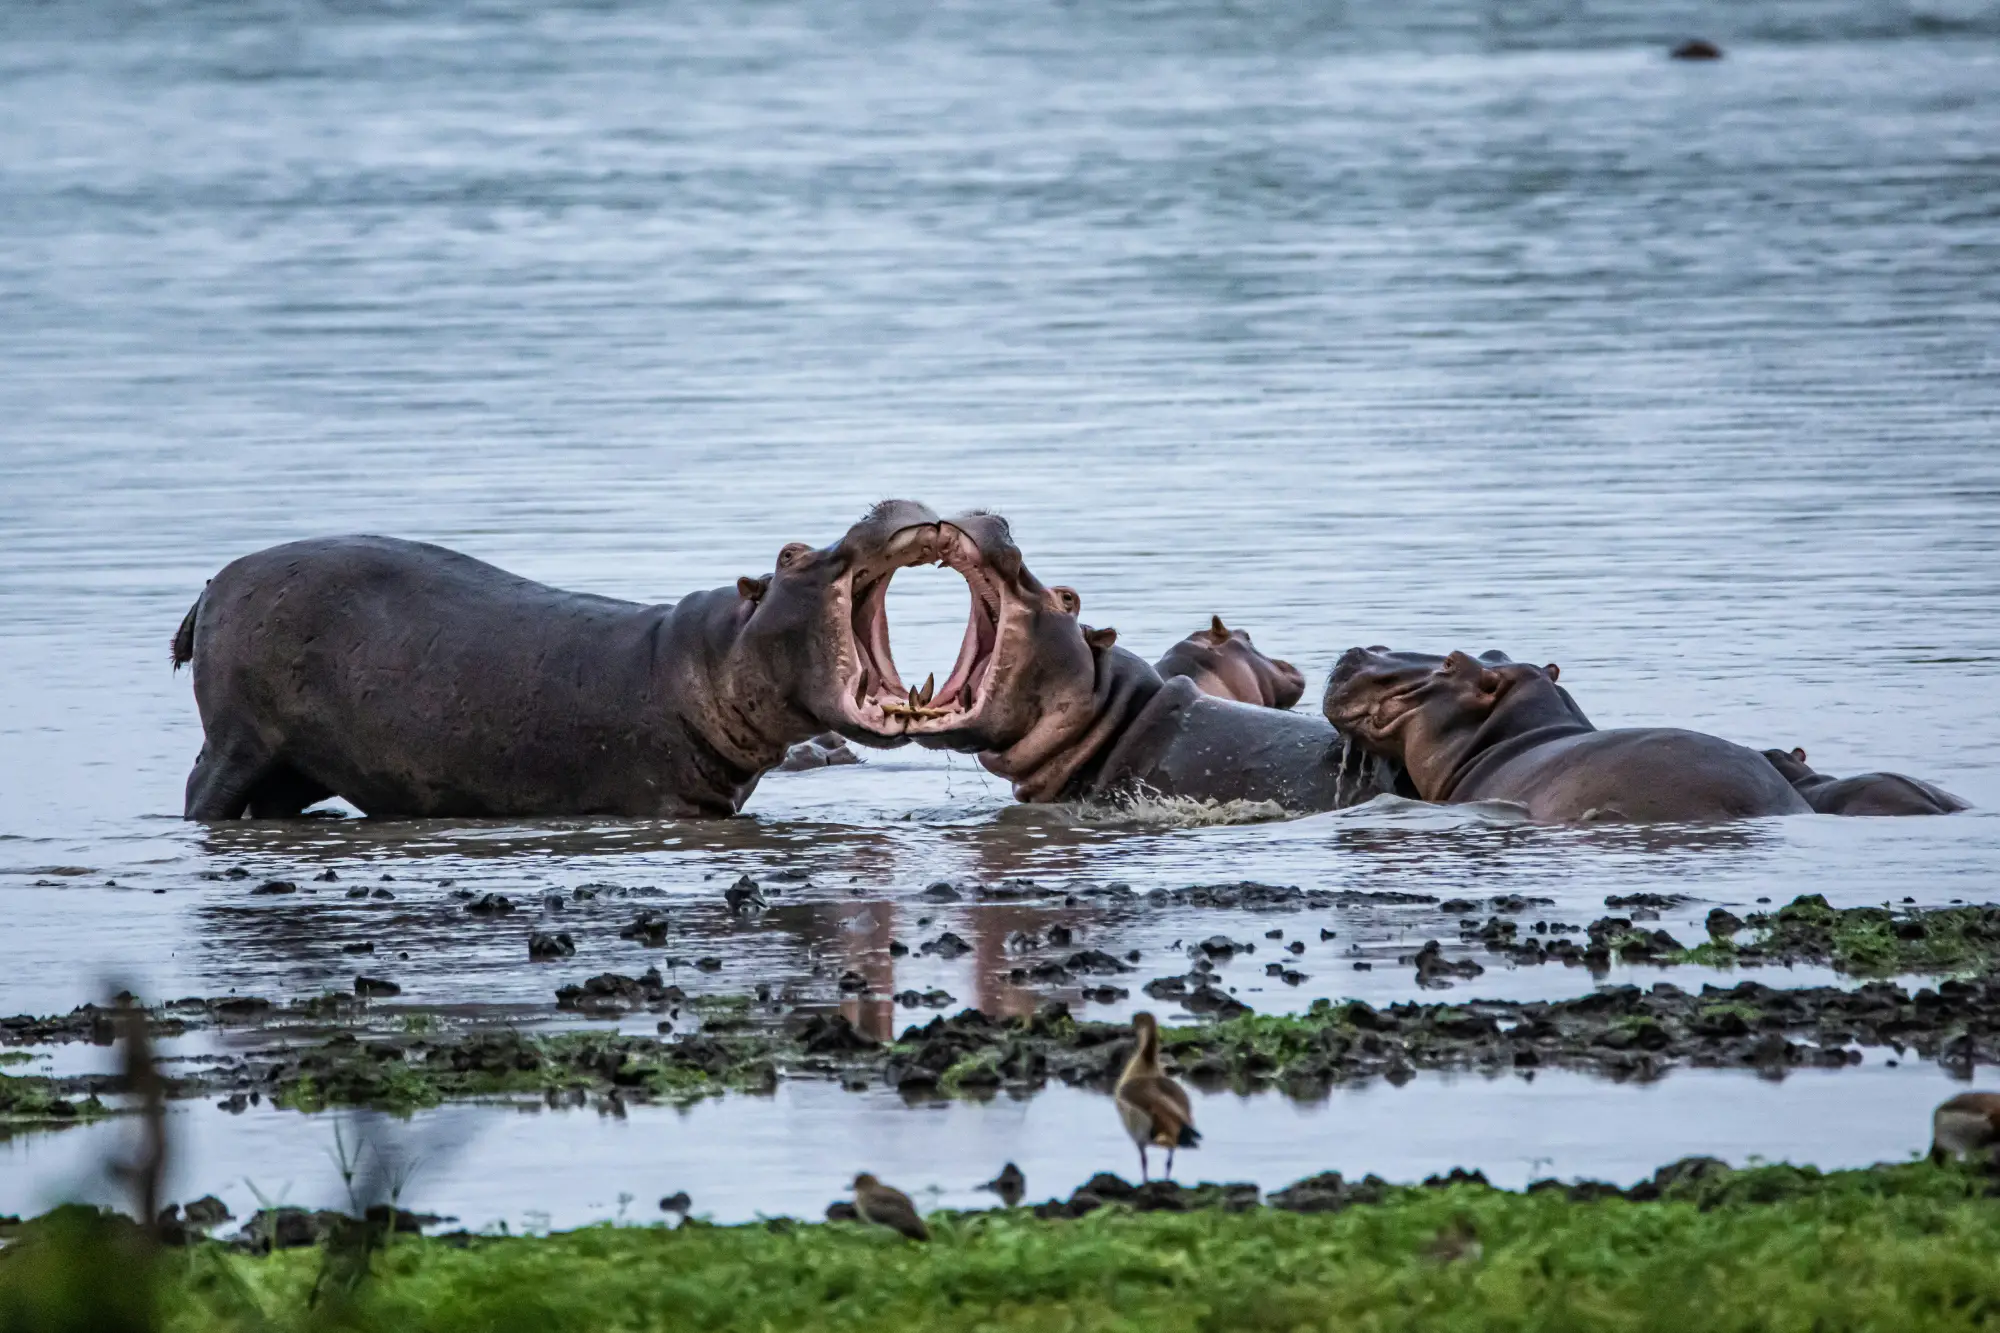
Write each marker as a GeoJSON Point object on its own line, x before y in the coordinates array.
{"type": "Point", "coordinates": [1896, 1248]}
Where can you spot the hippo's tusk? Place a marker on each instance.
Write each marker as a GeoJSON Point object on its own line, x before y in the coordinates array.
{"type": "Point", "coordinates": [930, 683]}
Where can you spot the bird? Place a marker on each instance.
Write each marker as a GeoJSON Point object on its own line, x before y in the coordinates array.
{"type": "Point", "coordinates": [745, 897]}
{"type": "Point", "coordinates": [1967, 1123]}
{"type": "Point", "coordinates": [888, 1207]}
{"type": "Point", "coordinates": [1154, 1108]}
{"type": "Point", "coordinates": [1010, 1185]}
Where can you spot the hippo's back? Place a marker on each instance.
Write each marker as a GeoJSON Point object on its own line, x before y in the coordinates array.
{"type": "Point", "coordinates": [411, 679]}
{"type": "Point", "coordinates": [1642, 774]}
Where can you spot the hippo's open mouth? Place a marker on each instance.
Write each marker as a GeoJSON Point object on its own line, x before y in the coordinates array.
{"type": "Point", "coordinates": [878, 698]}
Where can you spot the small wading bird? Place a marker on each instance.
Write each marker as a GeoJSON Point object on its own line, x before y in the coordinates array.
{"type": "Point", "coordinates": [885, 1206]}
{"type": "Point", "coordinates": [1154, 1108]}
{"type": "Point", "coordinates": [1967, 1123]}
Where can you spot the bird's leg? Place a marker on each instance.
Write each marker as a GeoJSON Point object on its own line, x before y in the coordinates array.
{"type": "Point", "coordinates": [1170, 1164]}
{"type": "Point", "coordinates": [1142, 1164]}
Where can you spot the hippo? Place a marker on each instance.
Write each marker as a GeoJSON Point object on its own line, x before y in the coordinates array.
{"type": "Point", "coordinates": [416, 681]}
{"type": "Point", "coordinates": [1224, 662]}
{"type": "Point", "coordinates": [1063, 713]}
{"type": "Point", "coordinates": [1473, 729]}
{"type": "Point", "coordinates": [1865, 793]}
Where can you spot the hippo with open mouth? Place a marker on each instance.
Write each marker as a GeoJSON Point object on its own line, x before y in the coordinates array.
{"type": "Point", "coordinates": [1864, 793]}
{"type": "Point", "coordinates": [412, 680]}
{"type": "Point", "coordinates": [1224, 662]}
{"type": "Point", "coordinates": [1473, 729]}
{"type": "Point", "coordinates": [1061, 711]}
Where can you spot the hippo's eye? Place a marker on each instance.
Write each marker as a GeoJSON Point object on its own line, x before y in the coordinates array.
{"type": "Point", "coordinates": [791, 554]}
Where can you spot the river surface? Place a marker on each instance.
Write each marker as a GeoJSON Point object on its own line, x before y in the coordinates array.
{"type": "Point", "coordinates": [1437, 325]}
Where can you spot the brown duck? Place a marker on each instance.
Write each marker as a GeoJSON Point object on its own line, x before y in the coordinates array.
{"type": "Point", "coordinates": [886, 1206]}
{"type": "Point", "coordinates": [1154, 1108]}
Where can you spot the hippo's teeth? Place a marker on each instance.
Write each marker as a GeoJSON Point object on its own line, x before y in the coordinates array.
{"type": "Point", "coordinates": [930, 683]}
{"type": "Point", "coordinates": [965, 696]}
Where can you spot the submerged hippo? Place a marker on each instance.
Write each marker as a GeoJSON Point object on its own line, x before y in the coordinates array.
{"type": "Point", "coordinates": [1467, 729]}
{"type": "Point", "coordinates": [412, 680]}
{"type": "Point", "coordinates": [1120, 730]}
{"type": "Point", "coordinates": [1224, 662]}
{"type": "Point", "coordinates": [1865, 793]}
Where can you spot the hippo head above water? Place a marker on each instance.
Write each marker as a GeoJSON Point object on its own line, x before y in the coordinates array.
{"type": "Point", "coordinates": [1021, 657]}
{"type": "Point", "coordinates": [1431, 714]}
{"type": "Point", "coordinates": [1224, 662]}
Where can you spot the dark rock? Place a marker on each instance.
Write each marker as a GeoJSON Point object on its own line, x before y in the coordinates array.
{"type": "Point", "coordinates": [1435, 971]}
{"type": "Point", "coordinates": [946, 945]}
{"type": "Point", "coordinates": [1723, 923]}
{"type": "Point", "coordinates": [1696, 48]}
{"type": "Point", "coordinates": [543, 946]}
{"type": "Point", "coordinates": [375, 987]}
{"type": "Point", "coordinates": [366, 946]}
{"type": "Point", "coordinates": [648, 928]}
{"type": "Point", "coordinates": [274, 886]}
{"type": "Point", "coordinates": [490, 904]}
{"type": "Point", "coordinates": [1010, 1185]}
{"type": "Point", "coordinates": [207, 1211]}
{"type": "Point", "coordinates": [1096, 962]}
{"type": "Point", "coordinates": [941, 892]}
{"type": "Point", "coordinates": [832, 1034]}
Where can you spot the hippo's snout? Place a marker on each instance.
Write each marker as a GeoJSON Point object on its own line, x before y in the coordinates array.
{"type": "Point", "coordinates": [1351, 662]}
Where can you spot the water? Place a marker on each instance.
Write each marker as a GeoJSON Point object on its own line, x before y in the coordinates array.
{"type": "Point", "coordinates": [1435, 325]}
{"type": "Point", "coordinates": [797, 1151]}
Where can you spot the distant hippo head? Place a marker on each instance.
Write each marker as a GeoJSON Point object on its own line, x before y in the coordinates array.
{"type": "Point", "coordinates": [1022, 653]}
{"type": "Point", "coordinates": [1431, 713]}
{"type": "Point", "coordinates": [1224, 662]}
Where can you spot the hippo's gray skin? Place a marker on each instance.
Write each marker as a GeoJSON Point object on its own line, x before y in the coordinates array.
{"type": "Point", "coordinates": [1223, 662]}
{"type": "Point", "coordinates": [1865, 793]}
{"type": "Point", "coordinates": [412, 680]}
{"type": "Point", "coordinates": [1114, 728]}
{"type": "Point", "coordinates": [1494, 730]}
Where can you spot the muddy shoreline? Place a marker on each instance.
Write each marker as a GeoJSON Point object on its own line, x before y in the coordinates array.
{"type": "Point", "coordinates": [346, 1052]}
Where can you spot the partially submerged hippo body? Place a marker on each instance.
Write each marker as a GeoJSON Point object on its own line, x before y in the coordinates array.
{"type": "Point", "coordinates": [413, 680]}
{"type": "Point", "coordinates": [1865, 793]}
{"type": "Point", "coordinates": [1468, 729]}
{"type": "Point", "coordinates": [1118, 729]}
{"type": "Point", "coordinates": [1223, 662]}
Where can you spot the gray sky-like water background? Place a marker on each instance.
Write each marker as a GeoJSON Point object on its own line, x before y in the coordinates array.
{"type": "Point", "coordinates": [1445, 324]}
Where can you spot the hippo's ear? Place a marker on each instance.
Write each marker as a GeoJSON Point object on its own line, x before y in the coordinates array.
{"type": "Point", "coordinates": [1100, 639]}
{"type": "Point", "coordinates": [1799, 753]}
{"type": "Point", "coordinates": [753, 590]}
{"type": "Point", "coordinates": [1553, 671]}
{"type": "Point", "coordinates": [1067, 600]}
